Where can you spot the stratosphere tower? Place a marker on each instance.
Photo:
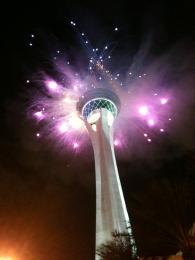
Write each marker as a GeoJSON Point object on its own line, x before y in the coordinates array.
{"type": "Point", "coordinates": [99, 108]}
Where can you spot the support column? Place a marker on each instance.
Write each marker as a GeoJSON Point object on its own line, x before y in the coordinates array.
{"type": "Point", "coordinates": [111, 211]}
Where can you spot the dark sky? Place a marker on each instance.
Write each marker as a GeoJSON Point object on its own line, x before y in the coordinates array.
{"type": "Point", "coordinates": [47, 197]}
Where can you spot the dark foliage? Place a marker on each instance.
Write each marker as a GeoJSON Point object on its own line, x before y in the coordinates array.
{"type": "Point", "coordinates": [117, 249]}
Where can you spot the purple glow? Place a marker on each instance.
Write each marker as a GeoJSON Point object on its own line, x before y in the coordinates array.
{"type": "Point", "coordinates": [163, 101]}
{"type": "Point", "coordinates": [39, 115]}
{"type": "Point", "coordinates": [75, 145]}
{"type": "Point", "coordinates": [151, 122]}
{"type": "Point", "coordinates": [116, 142]}
{"type": "Point", "coordinates": [52, 85]}
{"type": "Point", "coordinates": [75, 88]}
{"type": "Point", "coordinates": [63, 128]}
{"type": "Point", "coordinates": [141, 99]}
{"type": "Point", "coordinates": [143, 110]}
{"type": "Point", "coordinates": [149, 140]}
{"type": "Point", "coordinates": [65, 123]}
{"type": "Point", "coordinates": [75, 122]}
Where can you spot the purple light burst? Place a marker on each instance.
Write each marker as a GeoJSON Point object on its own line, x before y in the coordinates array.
{"type": "Point", "coordinates": [63, 128]}
{"type": "Point", "coordinates": [57, 105]}
{"type": "Point", "coordinates": [52, 85]}
{"type": "Point", "coordinates": [75, 145]}
{"type": "Point", "coordinates": [143, 110]}
{"type": "Point", "coordinates": [163, 101]}
{"type": "Point", "coordinates": [151, 122]}
{"type": "Point", "coordinates": [116, 142]}
{"type": "Point", "coordinates": [39, 115]}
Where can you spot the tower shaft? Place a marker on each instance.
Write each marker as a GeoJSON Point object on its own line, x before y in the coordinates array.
{"type": "Point", "coordinates": [111, 211]}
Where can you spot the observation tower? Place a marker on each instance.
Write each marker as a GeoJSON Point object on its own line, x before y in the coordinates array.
{"type": "Point", "coordinates": [99, 108]}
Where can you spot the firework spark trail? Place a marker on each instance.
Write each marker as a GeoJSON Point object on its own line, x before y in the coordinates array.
{"type": "Point", "coordinates": [55, 106]}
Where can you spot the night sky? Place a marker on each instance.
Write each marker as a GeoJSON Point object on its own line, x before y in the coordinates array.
{"type": "Point", "coordinates": [47, 194]}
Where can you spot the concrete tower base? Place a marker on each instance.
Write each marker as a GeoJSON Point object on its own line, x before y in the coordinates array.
{"type": "Point", "coordinates": [111, 211]}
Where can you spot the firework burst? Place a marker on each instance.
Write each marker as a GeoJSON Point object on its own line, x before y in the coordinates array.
{"type": "Point", "coordinates": [144, 109]}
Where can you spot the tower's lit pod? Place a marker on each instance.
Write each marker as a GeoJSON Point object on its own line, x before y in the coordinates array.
{"type": "Point", "coordinates": [99, 108]}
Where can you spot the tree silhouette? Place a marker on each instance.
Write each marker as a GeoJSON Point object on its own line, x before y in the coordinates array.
{"type": "Point", "coordinates": [117, 249]}
{"type": "Point", "coordinates": [165, 209]}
